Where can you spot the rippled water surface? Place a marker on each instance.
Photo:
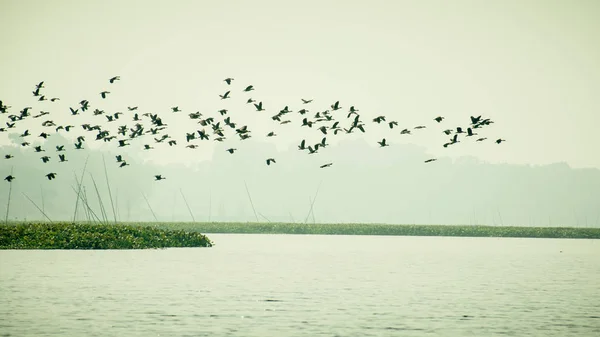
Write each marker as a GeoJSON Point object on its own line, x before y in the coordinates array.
{"type": "Point", "coordinates": [297, 285]}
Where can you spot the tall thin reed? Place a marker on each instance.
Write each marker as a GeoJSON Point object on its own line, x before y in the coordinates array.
{"type": "Point", "coordinates": [500, 216]}
{"type": "Point", "coordinates": [88, 209]}
{"type": "Point", "coordinates": [251, 203]}
{"type": "Point", "coordinates": [102, 210]}
{"type": "Point", "coordinates": [108, 186]}
{"type": "Point", "coordinates": [264, 217]}
{"type": "Point", "coordinates": [36, 206]}
{"type": "Point", "coordinates": [9, 196]}
{"type": "Point", "coordinates": [312, 203]}
{"type": "Point", "coordinates": [79, 188]}
{"type": "Point", "coordinates": [150, 207]}
{"type": "Point", "coordinates": [85, 209]}
{"type": "Point", "coordinates": [86, 205]}
{"type": "Point", "coordinates": [186, 204]}
{"type": "Point", "coordinates": [78, 192]}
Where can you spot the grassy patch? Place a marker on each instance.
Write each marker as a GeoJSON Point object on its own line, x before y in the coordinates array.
{"type": "Point", "coordinates": [95, 236]}
{"type": "Point", "coordinates": [385, 229]}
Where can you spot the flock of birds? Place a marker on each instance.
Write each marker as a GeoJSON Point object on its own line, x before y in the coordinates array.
{"type": "Point", "coordinates": [330, 122]}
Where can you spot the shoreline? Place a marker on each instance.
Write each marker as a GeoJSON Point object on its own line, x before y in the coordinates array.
{"type": "Point", "coordinates": [154, 235]}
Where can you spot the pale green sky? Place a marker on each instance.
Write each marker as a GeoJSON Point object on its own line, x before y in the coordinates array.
{"type": "Point", "coordinates": [532, 66]}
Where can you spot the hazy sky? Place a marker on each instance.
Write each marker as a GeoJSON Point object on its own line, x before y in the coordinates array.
{"type": "Point", "coordinates": [531, 66]}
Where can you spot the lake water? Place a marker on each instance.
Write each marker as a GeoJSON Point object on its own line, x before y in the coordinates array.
{"type": "Point", "coordinates": [301, 285]}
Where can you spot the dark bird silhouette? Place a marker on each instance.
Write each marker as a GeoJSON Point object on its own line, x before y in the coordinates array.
{"type": "Point", "coordinates": [250, 100]}
{"type": "Point", "coordinates": [104, 93]}
{"type": "Point", "coordinates": [45, 159]}
{"type": "Point", "coordinates": [499, 140]}
{"type": "Point", "coordinates": [326, 165]}
{"type": "Point", "coordinates": [8, 156]}
{"type": "Point", "coordinates": [438, 119]}
{"type": "Point", "coordinates": [430, 160]}
{"type": "Point", "coordinates": [228, 80]}
{"type": "Point", "coordinates": [470, 133]}
{"type": "Point", "coordinates": [475, 120]}
{"type": "Point", "coordinates": [481, 139]}
{"type": "Point", "coordinates": [51, 176]}
{"type": "Point", "coordinates": [123, 164]}
{"type": "Point", "coordinates": [231, 150]}
{"type": "Point", "coordinates": [271, 160]}
{"type": "Point", "coordinates": [306, 101]}
{"type": "Point", "coordinates": [119, 158]}
{"type": "Point", "coordinates": [302, 145]}
{"type": "Point", "coordinates": [379, 119]}
{"type": "Point", "coordinates": [259, 106]}
{"type": "Point", "coordinates": [382, 143]}
{"type": "Point", "coordinates": [9, 178]}
{"type": "Point", "coordinates": [175, 109]}
{"type": "Point", "coordinates": [159, 177]}
{"type": "Point", "coordinates": [113, 79]}
{"type": "Point", "coordinates": [336, 106]}
{"type": "Point", "coordinates": [62, 158]}
{"type": "Point", "coordinates": [249, 88]}
{"type": "Point", "coordinates": [39, 149]}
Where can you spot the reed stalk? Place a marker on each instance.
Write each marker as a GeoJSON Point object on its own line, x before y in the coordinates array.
{"type": "Point", "coordinates": [251, 203]}
{"type": "Point", "coordinates": [9, 196]}
{"type": "Point", "coordinates": [102, 210]}
{"type": "Point", "coordinates": [150, 207]}
{"type": "Point", "coordinates": [312, 203]}
{"type": "Point", "coordinates": [79, 188]}
{"type": "Point", "coordinates": [187, 205]}
{"type": "Point", "coordinates": [36, 206]}
{"type": "Point", "coordinates": [112, 204]}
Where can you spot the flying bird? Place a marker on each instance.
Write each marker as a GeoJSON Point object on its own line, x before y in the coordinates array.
{"type": "Point", "coordinates": [113, 79]}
